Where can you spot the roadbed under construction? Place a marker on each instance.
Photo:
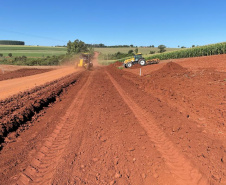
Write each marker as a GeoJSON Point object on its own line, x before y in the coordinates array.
{"type": "Point", "coordinates": [111, 126]}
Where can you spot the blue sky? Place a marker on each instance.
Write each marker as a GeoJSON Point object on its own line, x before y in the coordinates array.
{"type": "Point", "coordinates": [113, 22]}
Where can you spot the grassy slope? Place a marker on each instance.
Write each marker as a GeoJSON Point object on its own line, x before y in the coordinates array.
{"type": "Point", "coordinates": [43, 51]}
{"type": "Point", "coordinates": [31, 51]}
{"type": "Point", "coordinates": [40, 51]}
{"type": "Point", "coordinates": [144, 51]}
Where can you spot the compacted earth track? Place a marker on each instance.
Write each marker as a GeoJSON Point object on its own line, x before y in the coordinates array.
{"type": "Point", "coordinates": [107, 126]}
{"type": "Point", "coordinates": [21, 73]}
{"type": "Point", "coordinates": [13, 85]}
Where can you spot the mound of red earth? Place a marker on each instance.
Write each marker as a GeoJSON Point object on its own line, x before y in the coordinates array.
{"type": "Point", "coordinates": [21, 73]}
{"type": "Point", "coordinates": [135, 66]}
{"type": "Point", "coordinates": [117, 64]}
{"type": "Point", "coordinates": [196, 96]}
{"type": "Point", "coordinates": [20, 108]}
{"type": "Point", "coordinates": [172, 67]}
{"type": "Point", "coordinates": [200, 94]}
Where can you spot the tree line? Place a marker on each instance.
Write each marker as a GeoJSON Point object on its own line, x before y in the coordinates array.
{"type": "Point", "coordinates": [11, 42]}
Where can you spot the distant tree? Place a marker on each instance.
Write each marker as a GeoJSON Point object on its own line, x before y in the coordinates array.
{"type": "Point", "coordinates": [90, 49]}
{"type": "Point", "coordinates": [118, 54]}
{"type": "Point", "coordinates": [22, 59]}
{"type": "Point", "coordinates": [178, 46]}
{"type": "Point", "coordinates": [11, 42]}
{"type": "Point", "coordinates": [130, 52]}
{"type": "Point", "coordinates": [162, 48]}
{"type": "Point", "coordinates": [183, 47]}
{"type": "Point", "coordinates": [193, 46]}
{"type": "Point", "coordinates": [10, 54]}
{"type": "Point", "coordinates": [69, 45]}
{"type": "Point", "coordinates": [101, 45]}
{"type": "Point", "coordinates": [76, 47]}
{"type": "Point", "coordinates": [152, 46]}
{"type": "Point", "coordinates": [136, 50]}
{"type": "Point", "coordinates": [131, 45]}
{"type": "Point", "coordinates": [152, 52]}
{"type": "Point", "coordinates": [1, 55]}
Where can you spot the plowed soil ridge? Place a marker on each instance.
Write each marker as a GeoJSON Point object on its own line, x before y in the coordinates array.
{"type": "Point", "coordinates": [41, 169]}
{"type": "Point", "coordinates": [14, 86]}
{"type": "Point", "coordinates": [18, 109]}
{"type": "Point", "coordinates": [115, 127]}
{"type": "Point", "coordinates": [21, 73]}
{"type": "Point", "coordinates": [179, 165]}
{"type": "Point", "coordinates": [171, 67]}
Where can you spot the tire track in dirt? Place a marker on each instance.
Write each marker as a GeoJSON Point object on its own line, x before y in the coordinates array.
{"type": "Point", "coordinates": [179, 166]}
{"type": "Point", "coordinates": [43, 166]}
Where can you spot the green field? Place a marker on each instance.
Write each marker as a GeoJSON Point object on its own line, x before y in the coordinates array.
{"type": "Point", "coordinates": [32, 51]}
{"type": "Point", "coordinates": [144, 51]}
{"type": "Point", "coordinates": [43, 51]}
{"type": "Point", "coordinates": [207, 50]}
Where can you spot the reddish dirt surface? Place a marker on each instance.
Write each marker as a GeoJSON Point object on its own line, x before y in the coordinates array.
{"type": "Point", "coordinates": [136, 66]}
{"type": "Point", "coordinates": [215, 62]}
{"type": "Point", "coordinates": [117, 64]}
{"type": "Point", "coordinates": [13, 86]}
{"type": "Point", "coordinates": [110, 126]}
{"type": "Point", "coordinates": [7, 68]}
{"type": "Point", "coordinates": [21, 73]}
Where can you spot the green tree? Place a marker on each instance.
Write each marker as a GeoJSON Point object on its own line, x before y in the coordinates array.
{"type": "Point", "coordinates": [162, 48]}
{"type": "Point", "coordinates": [10, 54]}
{"type": "Point", "coordinates": [152, 52]}
{"type": "Point", "coordinates": [193, 46]}
{"type": "Point", "coordinates": [90, 49]}
{"type": "Point", "coordinates": [101, 45]}
{"type": "Point", "coordinates": [77, 46]}
{"type": "Point", "coordinates": [1, 55]}
{"type": "Point", "coordinates": [131, 45]}
{"type": "Point", "coordinates": [69, 44]}
{"type": "Point", "coordinates": [136, 50]}
{"type": "Point", "coordinates": [130, 52]}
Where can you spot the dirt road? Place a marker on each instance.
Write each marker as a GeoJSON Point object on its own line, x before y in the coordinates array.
{"type": "Point", "coordinates": [107, 127]}
{"type": "Point", "coordinates": [14, 86]}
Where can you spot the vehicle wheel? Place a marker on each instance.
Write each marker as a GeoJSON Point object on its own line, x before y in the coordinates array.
{"type": "Point", "coordinates": [142, 62]}
{"type": "Point", "coordinates": [129, 64]}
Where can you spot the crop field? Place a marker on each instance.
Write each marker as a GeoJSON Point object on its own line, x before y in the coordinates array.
{"type": "Point", "coordinates": [32, 51]}
{"type": "Point", "coordinates": [41, 51]}
{"type": "Point", "coordinates": [142, 50]}
{"type": "Point", "coordinates": [44, 51]}
{"type": "Point", "coordinates": [208, 50]}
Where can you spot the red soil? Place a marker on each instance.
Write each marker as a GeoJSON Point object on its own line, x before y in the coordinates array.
{"type": "Point", "coordinates": [14, 86]}
{"type": "Point", "coordinates": [110, 126]}
{"type": "Point", "coordinates": [136, 66]}
{"type": "Point", "coordinates": [21, 73]}
{"type": "Point", "coordinates": [117, 64]}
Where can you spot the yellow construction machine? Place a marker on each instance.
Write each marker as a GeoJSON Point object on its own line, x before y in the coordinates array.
{"type": "Point", "coordinates": [85, 61]}
{"type": "Point", "coordinates": [138, 59]}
